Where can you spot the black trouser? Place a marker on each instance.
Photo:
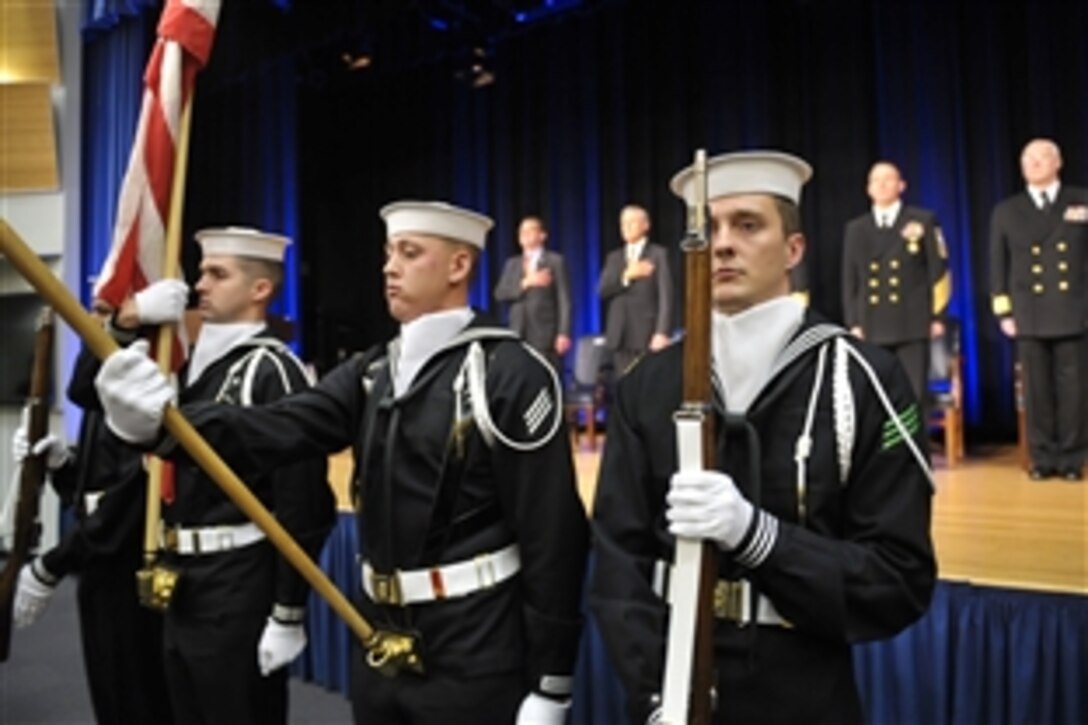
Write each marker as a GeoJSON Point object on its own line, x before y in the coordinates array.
{"type": "Point", "coordinates": [436, 698]}
{"type": "Point", "coordinates": [777, 675]}
{"type": "Point", "coordinates": [122, 648]}
{"type": "Point", "coordinates": [914, 357]}
{"type": "Point", "coordinates": [210, 639]}
{"type": "Point", "coordinates": [1053, 370]}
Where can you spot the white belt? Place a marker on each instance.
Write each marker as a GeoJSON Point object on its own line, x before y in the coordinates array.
{"type": "Point", "coordinates": [210, 539]}
{"type": "Point", "coordinates": [732, 600]}
{"type": "Point", "coordinates": [447, 581]}
{"type": "Point", "coordinates": [91, 501]}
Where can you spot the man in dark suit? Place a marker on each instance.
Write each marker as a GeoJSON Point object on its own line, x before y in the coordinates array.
{"type": "Point", "coordinates": [535, 285]}
{"type": "Point", "coordinates": [637, 284]}
{"type": "Point", "coordinates": [895, 281]}
{"type": "Point", "coordinates": [1037, 281]}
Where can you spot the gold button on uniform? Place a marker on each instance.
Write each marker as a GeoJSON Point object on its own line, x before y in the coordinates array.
{"type": "Point", "coordinates": [894, 264]}
{"type": "Point", "coordinates": [874, 266]}
{"type": "Point", "coordinates": [1037, 288]}
{"type": "Point", "coordinates": [874, 299]}
{"type": "Point", "coordinates": [1062, 246]}
{"type": "Point", "coordinates": [893, 298]}
{"type": "Point", "coordinates": [1063, 286]}
{"type": "Point", "coordinates": [894, 281]}
{"type": "Point", "coordinates": [1036, 269]}
{"type": "Point", "coordinates": [1036, 250]}
{"type": "Point", "coordinates": [874, 282]}
{"type": "Point", "coordinates": [1063, 266]}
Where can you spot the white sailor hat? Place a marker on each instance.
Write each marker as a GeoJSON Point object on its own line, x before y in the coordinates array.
{"type": "Point", "coordinates": [243, 242]}
{"type": "Point", "coordinates": [436, 218]}
{"type": "Point", "coordinates": [747, 172]}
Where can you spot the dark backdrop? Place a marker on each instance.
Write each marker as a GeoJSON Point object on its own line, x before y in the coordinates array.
{"type": "Point", "coordinates": [600, 104]}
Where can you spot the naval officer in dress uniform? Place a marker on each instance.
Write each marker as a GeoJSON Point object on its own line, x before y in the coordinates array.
{"type": "Point", "coordinates": [474, 536]}
{"type": "Point", "coordinates": [895, 280]}
{"type": "Point", "coordinates": [1038, 263]}
{"type": "Point", "coordinates": [820, 503]}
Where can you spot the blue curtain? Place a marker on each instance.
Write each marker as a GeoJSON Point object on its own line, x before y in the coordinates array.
{"type": "Point", "coordinates": [117, 40]}
{"type": "Point", "coordinates": [599, 107]}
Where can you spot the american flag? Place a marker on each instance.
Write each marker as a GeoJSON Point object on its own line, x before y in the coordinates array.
{"type": "Point", "coordinates": [185, 34]}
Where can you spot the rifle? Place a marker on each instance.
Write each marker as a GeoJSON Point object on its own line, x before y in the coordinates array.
{"type": "Point", "coordinates": [689, 663]}
{"type": "Point", "coordinates": [31, 477]}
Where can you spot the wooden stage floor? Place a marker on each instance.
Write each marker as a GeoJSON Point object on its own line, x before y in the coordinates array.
{"type": "Point", "coordinates": [992, 525]}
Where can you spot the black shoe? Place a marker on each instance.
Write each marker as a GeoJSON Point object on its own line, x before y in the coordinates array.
{"type": "Point", "coordinates": [1073, 474]}
{"type": "Point", "coordinates": [1039, 473]}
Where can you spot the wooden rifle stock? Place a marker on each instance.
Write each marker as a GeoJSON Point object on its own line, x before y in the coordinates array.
{"type": "Point", "coordinates": [31, 477]}
{"type": "Point", "coordinates": [689, 665]}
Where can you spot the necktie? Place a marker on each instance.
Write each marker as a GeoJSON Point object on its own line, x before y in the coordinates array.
{"type": "Point", "coordinates": [1046, 201]}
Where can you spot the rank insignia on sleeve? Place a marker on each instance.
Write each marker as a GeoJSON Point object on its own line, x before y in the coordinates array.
{"type": "Point", "coordinates": [538, 411]}
{"type": "Point", "coordinates": [942, 248]}
{"type": "Point", "coordinates": [892, 435]}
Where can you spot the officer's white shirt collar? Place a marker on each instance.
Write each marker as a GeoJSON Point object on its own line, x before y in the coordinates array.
{"type": "Point", "coordinates": [746, 344]}
{"type": "Point", "coordinates": [1051, 190]}
{"type": "Point", "coordinates": [420, 339]}
{"type": "Point", "coordinates": [533, 257]}
{"type": "Point", "coordinates": [890, 212]}
{"type": "Point", "coordinates": [634, 250]}
{"type": "Point", "coordinates": [215, 340]}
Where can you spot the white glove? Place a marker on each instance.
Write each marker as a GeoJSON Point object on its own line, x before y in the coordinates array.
{"type": "Point", "coordinates": [32, 594]}
{"type": "Point", "coordinates": [279, 645]}
{"type": "Point", "coordinates": [707, 505]}
{"type": "Point", "coordinates": [162, 301]}
{"type": "Point", "coordinates": [51, 448]}
{"type": "Point", "coordinates": [19, 446]}
{"type": "Point", "coordinates": [539, 710]}
{"type": "Point", "coordinates": [133, 393]}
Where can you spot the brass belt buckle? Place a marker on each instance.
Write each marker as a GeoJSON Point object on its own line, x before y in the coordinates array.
{"type": "Point", "coordinates": [170, 538]}
{"type": "Point", "coordinates": [386, 588]}
{"type": "Point", "coordinates": [731, 600]}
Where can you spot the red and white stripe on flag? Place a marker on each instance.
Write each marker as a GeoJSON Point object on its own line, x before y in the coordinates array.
{"type": "Point", "coordinates": [185, 34]}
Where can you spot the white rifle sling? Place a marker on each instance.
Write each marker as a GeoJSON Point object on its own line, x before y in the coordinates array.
{"type": "Point", "coordinates": [683, 588]}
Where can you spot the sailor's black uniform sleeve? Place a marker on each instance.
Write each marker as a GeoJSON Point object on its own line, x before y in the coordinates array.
{"type": "Point", "coordinates": [632, 617]}
{"type": "Point", "coordinates": [875, 575]}
{"type": "Point", "coordinates": [303, 501]}
{"type": "Point", "coordinates": [115, 525]}
{"type": "Point", "coordinates": [311, 423]}
{"type": "Point", "coordinates": [539, 499]}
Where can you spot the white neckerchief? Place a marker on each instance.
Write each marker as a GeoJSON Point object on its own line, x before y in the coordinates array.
{"type": "Point", "coordinates": [214, 341]}
{"type": "Point", "coordinates": [1051, 190]}
{"type": "Point", "coordinates": [746, 344]}
{"type": "Point", "coordinates": [420, 339]}
{"type": "Point", "coordinates": [890, 212]}
{"type": "Point", "coordinates": [634, 251]}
